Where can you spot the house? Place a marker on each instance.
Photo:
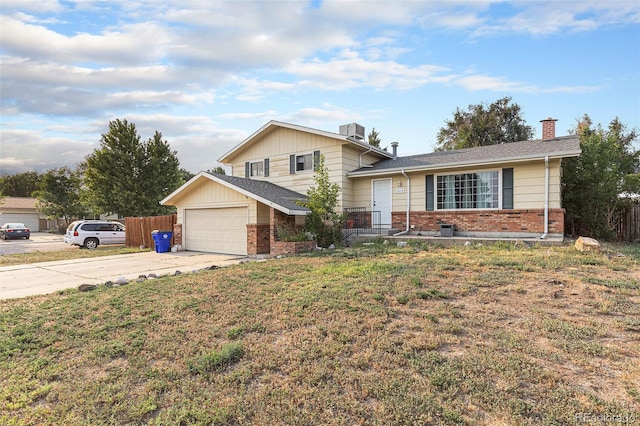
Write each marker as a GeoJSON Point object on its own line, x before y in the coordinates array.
{"type": "Point", "coordinates": [508, 190]}
{"type": "Point", "coordinates": [22, 210]}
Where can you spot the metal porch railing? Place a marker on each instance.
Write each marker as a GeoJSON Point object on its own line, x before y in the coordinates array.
{"type": "Point", "coordinates": [361, 221]}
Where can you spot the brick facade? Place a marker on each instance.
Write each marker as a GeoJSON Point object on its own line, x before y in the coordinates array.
{"type": "Point", "coordinates": [500, 221]}
{"type": "Point", "coordinates": [258, 239]}
{"type": "Point", "coordinates": [177, 234]}
{"type": "Point", "coordinates": [262, 238]}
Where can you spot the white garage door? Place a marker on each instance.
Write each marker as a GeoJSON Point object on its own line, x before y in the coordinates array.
{"type": "Point", "coordinates": [221, 230]}
{"type": "Point", "coordinates": [30, 220]}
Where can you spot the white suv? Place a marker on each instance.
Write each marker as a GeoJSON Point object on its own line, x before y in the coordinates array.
{"type": "Point", "coordinates": [91, 233]}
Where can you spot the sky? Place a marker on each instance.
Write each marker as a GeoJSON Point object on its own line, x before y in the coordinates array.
{"type": "Point", "coordinates": [207, 74]}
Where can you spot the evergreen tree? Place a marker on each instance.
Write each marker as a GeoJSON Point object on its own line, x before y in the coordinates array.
{"type": "Point", "coordinates": [374, 138]}
{"type": "Point", "coordinates": [127, 177]}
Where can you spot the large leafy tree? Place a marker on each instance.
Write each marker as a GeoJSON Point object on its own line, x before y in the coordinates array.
{"type": "Point", "coordinates": [480, 125]}
{"type": "Point", "coordinates": [595, 183]}
{"type": "Point", "coordinates": [19, 184]}
{"type": "Point", "coordinates": [128, 177]}
{"type": "Point", "coordinates": [58, 194]}
{"type": "Point", "coordinates": [322, 199]}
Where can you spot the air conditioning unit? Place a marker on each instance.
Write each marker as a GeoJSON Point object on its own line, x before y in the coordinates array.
{"type": "Point", "coordinates": [352, 130]}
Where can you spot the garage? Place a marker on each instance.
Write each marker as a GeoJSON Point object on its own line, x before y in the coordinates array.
{"type": "Point", "coordinates": [31, 220]}
{"type": "Point", "coordinates": [216, 230]}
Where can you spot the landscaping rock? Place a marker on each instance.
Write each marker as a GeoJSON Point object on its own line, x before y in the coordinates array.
{"type": "Point", "coordinates": [121, 281]}
{"type": "Point", "coordinates": [87, 287]}
{"type": "Point", "coordinates": [586, 244]}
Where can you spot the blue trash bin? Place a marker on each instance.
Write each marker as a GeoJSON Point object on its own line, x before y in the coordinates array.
{"type": "Point", "coordinates": [162, 240]}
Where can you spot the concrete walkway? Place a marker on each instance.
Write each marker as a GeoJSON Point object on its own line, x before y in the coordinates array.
{"type": "Point", "coordinates": [48, 277]}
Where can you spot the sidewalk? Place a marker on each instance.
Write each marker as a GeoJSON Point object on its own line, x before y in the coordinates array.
{"type": "Point", "coordinates": [48, 277]}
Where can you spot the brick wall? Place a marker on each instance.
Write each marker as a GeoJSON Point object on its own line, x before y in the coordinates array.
{"type": "Point", "coordinates": [503, 221]}
{"type": "Point", "coordinates": [292, 247]}
{"type": "Point", "coordinates": [258, 239]}
{"type": "Point", "coordinates": [278, 248]}
{"type": "Point", "coordinates": [177, 234]}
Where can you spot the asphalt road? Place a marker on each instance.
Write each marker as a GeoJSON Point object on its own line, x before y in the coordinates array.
{"type": "Point", "coordinates": [49, 277]}
{"type": "Point", "coordinates": [39, 241]}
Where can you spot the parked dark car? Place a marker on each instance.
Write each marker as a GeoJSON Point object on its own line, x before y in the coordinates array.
{"type": "Point", "coordinates": [14, 230]}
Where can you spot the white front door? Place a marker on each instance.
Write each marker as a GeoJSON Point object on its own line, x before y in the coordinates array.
{"type": "Point", "coordinates": [382, 202]}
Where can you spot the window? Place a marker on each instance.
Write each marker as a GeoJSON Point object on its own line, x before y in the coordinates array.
{"type": "Point", "coordinates": [257, 168]}
{"type": "Point", "coordinates": [304, 162]}
{"type": "Point", "coordinates": [468, 191]}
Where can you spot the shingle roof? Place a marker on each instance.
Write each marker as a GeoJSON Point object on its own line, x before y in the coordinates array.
{"type": "Point", "coordinates": [566, 146]}
{"type": "Point", "coordinates": [266, 192]}
{"type": "Point", "coordinates": [17, 203]}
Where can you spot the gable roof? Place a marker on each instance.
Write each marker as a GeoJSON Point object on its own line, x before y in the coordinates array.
{"type": "Point", "coordinates": [273, 124]}
{"type": "Point", "coordinates": [566, 146]}
{"type": "Point", "coordinates": [270, 194]}
{"type": "Point", "coordinates": [17, 203]}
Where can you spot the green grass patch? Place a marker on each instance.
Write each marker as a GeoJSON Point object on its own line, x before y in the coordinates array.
{"type": "Point", "coordinates": [214, 360]}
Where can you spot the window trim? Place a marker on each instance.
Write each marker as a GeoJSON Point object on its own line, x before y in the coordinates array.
{"type": "Point", "coordinates": [293, 162]}
{"type": "Point", "coordinates": [260, 168]}
{"type": "Point", "coordinates": [435, 189]}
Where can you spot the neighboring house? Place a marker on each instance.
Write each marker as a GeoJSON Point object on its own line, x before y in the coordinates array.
{"type": "Point", "coordinates": [509, 190]}
{"type": "Point", "coordinates": [22, 210]}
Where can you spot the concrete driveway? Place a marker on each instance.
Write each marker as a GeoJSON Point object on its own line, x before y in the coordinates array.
{"type": "Point", "coordinates": [48, 277]}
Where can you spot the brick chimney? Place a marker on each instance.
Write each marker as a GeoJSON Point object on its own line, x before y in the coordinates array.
{"type": "Point", "coordinates": [548, 128]}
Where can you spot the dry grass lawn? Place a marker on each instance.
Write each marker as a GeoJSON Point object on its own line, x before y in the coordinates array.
{"type": "Point", "coordinates": [371, 335]}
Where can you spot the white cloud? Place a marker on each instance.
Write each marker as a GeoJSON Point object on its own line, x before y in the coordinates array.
{"type": "Point", "coordinates": [29, 150]}
{"type": "Point", "coordinates": [502, 84]}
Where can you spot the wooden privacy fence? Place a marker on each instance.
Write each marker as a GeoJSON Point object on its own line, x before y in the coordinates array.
{"type": "Point", "coordinates": [139, 229]}
{"type": "Point", "coordinates": [628, 228]}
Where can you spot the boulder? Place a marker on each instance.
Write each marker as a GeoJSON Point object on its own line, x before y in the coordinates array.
{"type": "Point", "coordinates": [87, 287]}
{"type": "Point", "coordinates": [587, 244]}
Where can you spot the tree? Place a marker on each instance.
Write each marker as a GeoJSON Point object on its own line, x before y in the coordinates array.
{"type": "Point", "coordinates": [481, 125]}
{"type": "Point", "coordinates": [19, 184]}
{"type": "Point", "coordinates": [594, 182]}
{"type": "Point", "coordinates": [322, 199]}
{"type": "Point", "coordinates": [58, 194]}
{"type": "Point", "coordinates": [374, 138]}
{"type": "Point", "coordinates": [127, 177]}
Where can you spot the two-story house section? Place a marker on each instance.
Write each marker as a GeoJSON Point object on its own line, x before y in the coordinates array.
{"type": "Point", "coordinates": [511, 190]}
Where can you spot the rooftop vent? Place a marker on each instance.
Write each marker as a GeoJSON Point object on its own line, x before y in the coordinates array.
{"type": "Point", "coordinates": [352, 130]}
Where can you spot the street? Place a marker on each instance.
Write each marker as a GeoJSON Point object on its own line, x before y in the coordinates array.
{"type": "Point", "coordinates": [39, 241]}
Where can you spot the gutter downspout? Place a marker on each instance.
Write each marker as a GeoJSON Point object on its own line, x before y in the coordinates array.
{"type": "Point", "coordinates": [546, 198]}
{"type": "Point", "coordinates": [406, 231]}
{"type": "Point", "coordinates": [360, 158]}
